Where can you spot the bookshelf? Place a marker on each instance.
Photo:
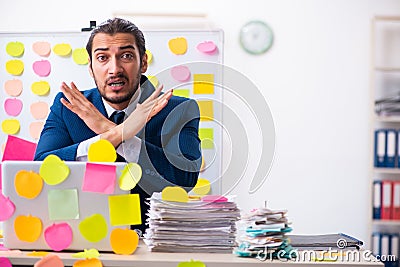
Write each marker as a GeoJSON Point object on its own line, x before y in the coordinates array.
{"type": "Point", "coordinates": [385, 166]}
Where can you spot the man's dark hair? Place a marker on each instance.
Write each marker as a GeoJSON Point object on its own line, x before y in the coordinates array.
{"type": "Point", "coordinates": [114, 26]}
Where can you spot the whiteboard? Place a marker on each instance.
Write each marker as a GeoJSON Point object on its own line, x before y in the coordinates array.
{"type": "Point", "coordinates": [64, 68]}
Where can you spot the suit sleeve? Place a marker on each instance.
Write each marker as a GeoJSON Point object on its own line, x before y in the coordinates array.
{"type": "Point", "coordinates": [177, 162]}
{"type": "Point", "coordinates": [55, 137]}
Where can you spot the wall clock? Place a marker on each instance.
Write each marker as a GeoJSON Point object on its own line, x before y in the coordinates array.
{"type": "Point", "coordinates": [256, 37]}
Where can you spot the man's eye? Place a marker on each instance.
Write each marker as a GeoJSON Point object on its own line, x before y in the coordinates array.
{"type": "Point", "coordinates": [101, 58]}
{"type": "Point", "coordinates": [127, 56]}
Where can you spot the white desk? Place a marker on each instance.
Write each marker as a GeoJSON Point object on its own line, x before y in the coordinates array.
{"type": "Point", "coordinates": [142, 257]}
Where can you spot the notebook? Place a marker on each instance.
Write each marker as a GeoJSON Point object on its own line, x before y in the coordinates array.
{"type": "Point", "coordinates": [78, 213]}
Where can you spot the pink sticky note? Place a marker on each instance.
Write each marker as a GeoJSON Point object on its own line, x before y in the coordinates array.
{"type": "Point", "coordinates": [208, 47]}
{"type": "Point", "coordinates": [7, 208]}
{"type": "Point", "coordinates": [99, 178]}
{"type": "Point", "coordinates": [58, 236]}
{"type": "Point", "coordinates": [18, 149]}
{"type": "Point", "coordinates": [42, 68]}
{"type": "Point", "coordinates": [214, 198]}
{"type": "Point", "coordinates": [13, 106]}
{"type": "Point", "coordinates": [4, 262]}
{"type": "Point", "coordinates": [180, 73]}
{"type": "Point", "coordinates": [3, 248]}
{"type": "Point", "coordinates": [0, 179]}
{"type": "Point", "coordinates": [13, 87]}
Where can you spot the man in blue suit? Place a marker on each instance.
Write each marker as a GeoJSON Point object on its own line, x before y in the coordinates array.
{"type": "Point", "coordinates": [159, 131]}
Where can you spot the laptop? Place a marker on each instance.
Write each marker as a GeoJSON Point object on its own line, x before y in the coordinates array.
{"type": "Point", "coordinates": [75, 214]}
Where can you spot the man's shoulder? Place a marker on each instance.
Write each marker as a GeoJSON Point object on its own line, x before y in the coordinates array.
{"type": "Point", "coordinates": [91, 92]}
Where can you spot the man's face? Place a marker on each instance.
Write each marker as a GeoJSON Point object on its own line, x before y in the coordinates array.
{"type": "Point", "coordinates": [116, 67]}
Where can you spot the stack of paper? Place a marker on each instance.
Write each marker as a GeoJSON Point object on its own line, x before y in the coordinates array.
{"type": "Point", "coordinates": [264, 234]}
{"type": "Point", "coordinates": [195, 226]}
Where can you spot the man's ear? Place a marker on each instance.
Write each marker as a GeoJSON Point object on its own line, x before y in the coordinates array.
{"type": "Point", "coordinates": [90, 68]}
{"type": "Point", "coordinates": [144, 63]}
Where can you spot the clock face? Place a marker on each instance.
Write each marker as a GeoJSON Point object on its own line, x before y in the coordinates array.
{"type": "Point", "coordinates": [256, 37]}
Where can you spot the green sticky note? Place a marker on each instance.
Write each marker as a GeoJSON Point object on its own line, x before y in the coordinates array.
{"type": "Point", "coordinates": [181, 92]}
{"type": "Point", "coordinates": [63, 204]}
{"type": "Point", "coordinates": [124, 209]}
{"type": "Point", "coordinates": [206, 136]}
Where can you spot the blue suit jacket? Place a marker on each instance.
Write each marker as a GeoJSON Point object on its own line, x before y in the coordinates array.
{"type": "Point", "coordinates": [170, 152]}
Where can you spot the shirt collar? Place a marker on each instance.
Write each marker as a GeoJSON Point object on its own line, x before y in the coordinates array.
{"type": "Point", "coordinates": [129, 109]}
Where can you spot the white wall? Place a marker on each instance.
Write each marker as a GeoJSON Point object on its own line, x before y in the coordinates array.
{"type": "Point", "coordinates": [315, 79]}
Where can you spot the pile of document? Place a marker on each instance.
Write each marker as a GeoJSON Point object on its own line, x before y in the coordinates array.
{"type": "Point", "coordinates": [264, 234]}
{"type": "Point", "coordinates": [194, 226]}
{"type": "Point", "coordinates": [388, 106]}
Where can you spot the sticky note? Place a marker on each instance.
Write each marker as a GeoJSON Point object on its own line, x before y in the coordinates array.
{"type": "Point", "coordinates": [130, 176]}
{"type": "Point", "coordinates": [191, 263]}
{"type": "Point", "coordinates": [43, 49]}
{"type": "Point", "coordinates": [49, 260]}
{"type": "Point", "coordinates": [15, 67]}
{"type": "Point", "coordinates": [39, 110]}
{"type": "Point", "coordinates": [37, 253]}
{"type": "Point", "coordinates": [13, 106]}
{"type": "Point", "coordinates": [13, 87]}
{"type": "Point", "coordinates": [27, 228]}
{"type": "Point", "coordinates": [80, 56]}
{"type": "Point", "coordinates": [178, 46]}
{"type": "Point", "coordinates": [28, 184]}
{"type": "Point", "coordinates": [58, 236]}
{"type": "Point", "coordinates": [214, 198]}
{"type": "Point", "coordinates": [206, 110]}
{"type": "Point", "coordinates": [154, 81]}
{"type": "Point", "coordinates": [10, 126]}
{"type": "Point", "coordinates": [175, 194]}
{"type": "Point", "coordinates": [93, 228]}
{"type": "Point", "coordinates": [4, 262]}
{"type": "Point", "coordinates": [42, 68]}
{"type": "Point", "coordinates": [124, 241]}
{"type": "Point", "coordinates": [63, 204]}
{"type": "Point", "coordinates": [203, 164]}
{"type": "Point", "coordinates": [35, 128]}
{"type": "Point", "coordinates": [203, 83]}
{"type": "Point", "coordinates": [207, 47]}
{"type": "Point", "coordinates": [88, 263]}
{"type": "Point", "coordinates": [15, 49]}
{"type": "Point", "coordinates": [181, 92]}
{"type": "Point", "coordinates": [180, 73]}
{"type": "Point", "coordinates": [102, 151]}
{"type": "Point", "coordinates": [19, 149]}
{"type": "Point", "coordinates": [40, 88]}
{"type": "Point", "coordinates": [149, 56]}
{"type": "Point", "coordinates": [7, 208]}
{"type": "Point", "coordinates": [206, 136]}
{"type": "Point", "coordinates": [124, 209]}
{"type": "Point", "coordinates": [99, 178]}
{"type": "Point", "coordinates": [53, 170]}
{"type": "Point", "coordinates": [63, 50]}
{"type": "Point", "coordinates": [87, 254]}
{"type": "Point", "coordinates": [202, 187]}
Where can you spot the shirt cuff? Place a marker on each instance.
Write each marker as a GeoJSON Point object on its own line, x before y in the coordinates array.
{"type": "Point", "coordinates": [130, 149]}
{"type": "Point", "coordinates": [83, 148]}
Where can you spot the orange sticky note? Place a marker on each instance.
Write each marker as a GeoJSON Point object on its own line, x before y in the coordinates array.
{"type": "Point", "coordinates": [50, 260]}
{"type": "Point", "coordinates": [88, 263]}
{"type": "Point", "coordinates": [203, 83]}
{"type": "Point", "coordinates": [206, 110]}
{"type": "Point", "coordinates": [27, 228]}
{"type": "Point", "coordinates": [124, 210]}
{"type": "Point", "coordinates": [28, 184]}
{"type": "Point", "coordinates": [124, 241]}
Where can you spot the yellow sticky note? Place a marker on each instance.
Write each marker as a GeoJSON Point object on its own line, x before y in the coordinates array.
{"type": "Point", "coordinates": [87, 254]}
{"type": "Point", "coordinates": [15, 49]}
{"type": "Point", "coordinates": [153, 80]}
{"type": "Point", "coordinates": [94, 228]}
{"type": "Point", "coordinates": [62, 50]}
{"type": "Point", "coordinates": [53, 170]}
{"type": "Point", "coordinates": [15, 67]}
{"type": "Point", "coordinates": [37, 253]}
{"type": "Point", "coordinates": [40, 88]}
{"type": "Point", "coordinates": [27, 228]}
{"type": "Point", "coordinates": [203, 83]}
{"type": "Point", "coordinates": [10, 126]}
{"type": "Point", "coordinates": [124, 241]}
{"type": "Point", "coordinates": [80, 56]}
{"type": "Point", "coordinates": [149, 56]}
{"type": "Point", "coordinates": [181, 92]}
{"type": "Point", "coordinates": [175, 194]}
{"type": "Point", "coordinates": [206, 110]}
{"type": "Point", "coordinates": [130, 176]}
{"type": "Point", "coordinates": [28, 184]}
{"type": "Point", "coordinates": [102, 151]}
{"type": "Point", "coordinates": [191, 263]}
{"type": "Point", "coordinates": [124, 209]}
{"type": "Point", "coordinates": [178, 46]}
{"type": "Point", "coordinates": [207, 138]}
{"type": "Point", "coordinates": [88, 263]}
{"type": "Point", "coordinates": [202, 187]}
